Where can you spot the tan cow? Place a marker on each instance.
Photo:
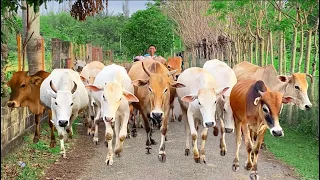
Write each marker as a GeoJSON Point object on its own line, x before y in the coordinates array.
{"type": "Point", "coordinates": [25, 92]}
{"type": "Point", "coordinates": [152, 88]}
{"type": "Point", "coordinates": [295, 85]}
{"type": "Point", "coordinates": [88, 75]}
{"type": "Point", "coordinates": [255, 108]}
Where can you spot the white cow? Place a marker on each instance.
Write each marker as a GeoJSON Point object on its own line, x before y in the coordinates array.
{"type": "Point", "coordinates": [198, 102]}
{"type": "Point", "coordinates": [225, 77]}
{"type": "Point", "coordinates": [88, 75]}
{"type": "Point", "coordinates": [64, 93]}
{"type": "Point", "coordinates": [112, 91]}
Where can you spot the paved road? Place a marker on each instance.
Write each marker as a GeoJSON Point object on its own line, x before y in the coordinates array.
{"type": "Point", "coordinates": [87, 161]}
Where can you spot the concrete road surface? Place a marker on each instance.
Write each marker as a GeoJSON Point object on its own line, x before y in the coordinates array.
{"type": "Point", "coordinates": [87, 161]}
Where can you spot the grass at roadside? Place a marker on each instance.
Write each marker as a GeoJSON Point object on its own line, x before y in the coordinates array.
{"type": "Point", "coordinates": [37, 157]}
{"type": "Point", "coordinates": [296, 150]}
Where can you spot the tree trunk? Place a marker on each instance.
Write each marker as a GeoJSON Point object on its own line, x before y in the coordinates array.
{"type": "Point", "coordinates": [271, 48]}
{"type": "Point", "coordinates": [284, 56]}
{"type": "Point", "coordinates": [32, 39]}
{"type": "Point", "coordinates": [4, 56]}
{"type": "Point", "coordinates": [314, 67]}
{"type": "Point", "coordinates": [280, 68]}
{"type": "Point", "coordinates": [261, 58]}
{"type": "Point", "coordinates": [267, 49]}
{"type": "Point", "coordinates": [256, 50]}
{"type": "Point", "coordinates": [251, 50]}
{"type": "Point", "coordinates": [308, 51]}
{"type": "Point", "coordinates": [301, 49]}
{"type": "Point", "coordinates": [294, 50]}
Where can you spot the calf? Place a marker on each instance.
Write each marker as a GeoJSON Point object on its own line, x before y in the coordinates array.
{"type": "Point", "coordinates": [255, 108]}
{"type": "Point", "coordinates": [224, 77]}
{"type": "Point", "coordinates": [88, 75]}
{"type": "Point", "coordinates": [112, 90]}
{"type": "Point", "coordinates": [198, 102]}
{"type": "Point", "coordinates": [25, 92]}
{"type": "Point", "coordinates": [64, 93]}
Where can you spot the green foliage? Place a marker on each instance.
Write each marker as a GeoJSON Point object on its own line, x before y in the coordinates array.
{"type": "Point", "coordinates": [147, 27]}
{"type": "Point", "coordinates": [304, 148]}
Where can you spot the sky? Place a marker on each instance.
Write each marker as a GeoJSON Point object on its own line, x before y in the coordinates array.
{"type": "Point", "coordinates": [114, 6]}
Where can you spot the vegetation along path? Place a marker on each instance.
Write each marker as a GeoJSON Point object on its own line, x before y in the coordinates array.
{"type": "Point", "coordinates": [87, 161]}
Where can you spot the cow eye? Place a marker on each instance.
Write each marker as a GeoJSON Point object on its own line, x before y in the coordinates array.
{"type": "Point", "coordinates": [120, 99]}
{"type": "Point", "coordinates": [215, 102]}
{"type": "Point", "coordinates": [224, 110]}
{"type": "Point", "coordinates": [71, 104]}
{"type": "Point", "coordinates": [165, 90]}
{"type": "Point", "coordinates": [199, 103]}
{"type": "Point", "coordinates": [23, 85]}
{"type": "Point", "coordinates": [56, 103]}
{"type": "Point", "coordinates": [103, 97]}
{"type": "Point", "coordinates": [150, 89]}
{"type": "Point", "coordinates": [265, 110]}
{"type": "Point", "coordinates": [169, 67]}
{"type": "Point", "coordinates": [297, 87]}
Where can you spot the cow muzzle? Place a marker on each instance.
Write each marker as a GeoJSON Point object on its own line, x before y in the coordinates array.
{"type": "Point", "coordinates": [12, 104]}
{"type": "Point", "coordinates": [108, 119]}
{"type": "Point", "coordinates": [209, 124]}
{"type": "Point", "coordinates": [229, 130]}
{"type": "Point", "coordinates": [63, 123]}
{"type": "Point", "coordinates": [157, 116]}
{"type": "Point", "coordinates": [277, 133]}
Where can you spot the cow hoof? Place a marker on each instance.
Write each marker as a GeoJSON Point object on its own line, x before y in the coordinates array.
{"type": "Point", "coordinates": [153, 142]}
{"type": "Point", "coordinates": [95, 140]}
{"type": "Point", "coordinates": [52, 144]}
{"type": "Point", "coordinates": [63, 155]}
{"type": "Point", "coordinates": [134, 133]}
{"type": "Point", "coordinates": [180, 118]}
{"type": "Point", "coordinates": [254, 175]}
{"type": "Point", "coordinates": [141, 126]}
{"type": "Point", "coordinates": [128, 136]}
{"type": "Point", "coordinates": [223, 152]}
{"type": "Point", "coordinates": [186, 152]}
{"type": "Point", "coordinates": [148, 149]}
{"type": "Point", "coordinates": [109, 162]}
{"type": "Point", "coordinates": [165, 138]}
{"type": "Point", "coordinates": [197, 159]}
{"type": "Point", "coordinates": [263, 146]}
{"type": "Point", "coordinates": [203, 159]}
{"type": "Point", "coordinates": [215, 131]}
{"type": "Point", "coordinates": [162, 157]}
{"type": "Point", "coordinates": [106, 143]}
{"type": "Point", "coordinates": [35, 139]}
{"type": "Point", "coordinates": [235, 167]}
{"type": "Point", "coordinates": [247, 166]}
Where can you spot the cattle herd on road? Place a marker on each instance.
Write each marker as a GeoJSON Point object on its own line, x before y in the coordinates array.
{"type": "Point", "coordinates": [247, 100]}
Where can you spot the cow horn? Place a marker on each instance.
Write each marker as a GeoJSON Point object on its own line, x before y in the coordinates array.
{"type": "Point", "coordinates": [74, 88]}
{"type": "Point", "coordinates": [52, 87]}
{"type": "Point", "coordinates": [311, 78]}
{"type": "Point", "coordinates": [172, 72]}
{"type": "Point", "coordinates": [145, 70]}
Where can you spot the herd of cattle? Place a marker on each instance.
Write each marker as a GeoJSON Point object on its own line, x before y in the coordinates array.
{"type": "Point", "coordinates": [247, 98]}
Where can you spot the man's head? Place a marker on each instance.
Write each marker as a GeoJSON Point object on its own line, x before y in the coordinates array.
{"type": "Point", "coordinates": [152, 50]}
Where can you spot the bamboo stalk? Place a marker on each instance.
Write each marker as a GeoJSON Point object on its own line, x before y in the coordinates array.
{"type": "Point", "coordinates": [261, 52]}
{"type": "Point", "coordinates": [308, 51]}
{"type": "Point", "coordinates": [18, 37]}
{"type": "Point", "coordinates": [271, 48]}
{"type": "Point", "coordinates": [256, 50]}
{"type": "Point", "coordinates": [267, 49]}
{"type": "Point", "coordinates": [301, 49]}
{"type": "Point", "coordinates": [284, 56]}
{"type": "Point", "coordinates": [294, 50]}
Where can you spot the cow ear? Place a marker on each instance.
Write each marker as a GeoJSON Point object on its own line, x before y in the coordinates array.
{"type": "Point", "coordinates": [284, 78]}
{"type": "Point", "coordinates": [288, 99]}
{"type": "Point", "coordinates": [52, 93]}
{"type": "Point", "coordinates": [189, 98]}
{"type": "Point", "coordinates": [93, 88]}
{"type": "Point", "coordinates": [221, 91]}
{"type": "Point", "coordinates": [129, 96]}
{"type": "Point", "coordinates": [256, 101]}
{"type": "Point", "coordinates": [140, 82]}
{"type": "Point", "coordinates": [177, 85]}
{"type": "Point", "coordinates": [36, 80]}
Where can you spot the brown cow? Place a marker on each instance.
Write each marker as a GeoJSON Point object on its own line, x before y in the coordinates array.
{"type": "Point", "coordinates": [25, 91]}
{"type": "Point", "coordinates": [255, 108]}
{"type": "Point", "coordinates": [152, 88]}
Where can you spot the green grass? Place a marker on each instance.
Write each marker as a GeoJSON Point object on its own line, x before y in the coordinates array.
{"type": "Point", "coordinates": [297, 150]}
{"type": "Point", "coordinates": [36, 156]}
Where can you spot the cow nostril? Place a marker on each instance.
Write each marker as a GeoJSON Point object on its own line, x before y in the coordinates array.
{"type": "Point", "coordinates": [157, 115]}
{"type": "Point", "coordinates": [63, 123]}
{"type": "Point", "coordinates": [10, 104]}
{"type": "Point", "coordinates": [92, 118]}
{"type": "Point", "coordinates": [228, 130]}
{"type": "Point", "coordinates": [209, 124]}
{"type": "Point", "coordinates": [307, 107]}
{"type": "Point", "coordinates": [108, 119]}
{"type": "Point", "coordinates": [277, 133]}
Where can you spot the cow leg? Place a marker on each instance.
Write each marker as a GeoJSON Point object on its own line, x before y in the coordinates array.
{"type": "Point", "coordinates": [173, 117]}
{"type": "Point", "coordinates": [62, 135]}
{"type": "Point", "coordinates": [163, 129]}
{"type": "Point", "coordinates": [223, 149]}
{"type": "Point", "coordinates": [259, 141]}
{"type": "Point", "coordinates": [53, 139]}
{"type": "Point", "coordinates": [96, 124]}
{"type": "Point", "coordinates": [122, 136]}
{"type": "Point", "coordinates": [194, 135]}
{"type": "Point", "coordinates": [204, 135]}
{"type": "Point", "coordinates": [37, 130]}
{"type": "Point", "coordinates": [109, 136]}
{"type": "Point", "coordinates": [235, 165]}
{"type": "Point", "coordinates": [148, 131]}
{"type": "Point", "coordinates": [69, 128]}
{"type": "Point", "coordinates": [248, 143]}
{"type": "Point", "coordinates": [187, 130]}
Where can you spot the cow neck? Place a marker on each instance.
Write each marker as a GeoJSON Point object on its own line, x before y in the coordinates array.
{"type": "Point", "coordinates": [33, 102]}
{"type": "Point", "coordinates": [281, 87]}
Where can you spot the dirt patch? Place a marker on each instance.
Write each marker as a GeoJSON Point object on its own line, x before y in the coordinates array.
{"type": "Point", "coordinates": [77, 157]}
